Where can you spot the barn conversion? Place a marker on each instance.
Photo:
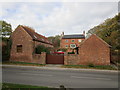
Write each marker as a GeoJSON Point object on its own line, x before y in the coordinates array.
{"type": "Point", "coordinates": [24, 42]}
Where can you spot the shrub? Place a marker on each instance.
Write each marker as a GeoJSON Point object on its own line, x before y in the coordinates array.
{"type": "Point", "coordinates": [42, 48]}
{"type": "Point", "coordinates": [62, 49]}
{"type": "Point", "coordinates": [91, 65]}
{"type": "Point", "coordinates": [71, 52]}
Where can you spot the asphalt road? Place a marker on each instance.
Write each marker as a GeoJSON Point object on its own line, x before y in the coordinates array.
{"type": "Point", "coordinates": [55, 77]}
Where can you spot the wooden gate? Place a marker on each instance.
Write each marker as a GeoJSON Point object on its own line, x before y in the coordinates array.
{"type": "Point", "coordinates": [54, 59]}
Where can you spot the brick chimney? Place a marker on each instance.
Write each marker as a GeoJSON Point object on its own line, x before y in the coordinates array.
{"type": "Point", "coordinates": [83, 32]}
{"type": "Point", "coordinates": [62, 34]}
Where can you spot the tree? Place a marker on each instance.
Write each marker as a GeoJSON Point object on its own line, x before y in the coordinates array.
{"type": "Point", "coordinates": [55, 40]}
{"type": "Point", "coordinates": [109, 31]}
{"type": "Point", "coordinates": [42, 48]}
{"type": "Point", "coordinates": [6, 29]}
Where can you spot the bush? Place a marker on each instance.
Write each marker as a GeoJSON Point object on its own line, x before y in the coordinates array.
{"type": "Point", "coordinates": [42, 48]}
{"type": "Point", "coordinates": [62, 49]}
{"type": "Point", "coordinates": [91, 65]}
{"type": "Point", "coordinates": [6, 48]}
{"type": "Point", "coordinates": [71, 52]}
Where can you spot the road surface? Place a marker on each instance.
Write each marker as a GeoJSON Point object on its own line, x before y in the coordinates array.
{"type": "Point", "coordinates": [56, 77]}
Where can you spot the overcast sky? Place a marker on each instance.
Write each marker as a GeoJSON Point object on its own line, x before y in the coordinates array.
{"type": "Point", "coordinates": [52, 18]}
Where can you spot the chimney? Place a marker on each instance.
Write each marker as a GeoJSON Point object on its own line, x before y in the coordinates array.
{"type": "Point", "coordinates": [62, 34]}
{"type": "Point", "coordinates": [83, 32]}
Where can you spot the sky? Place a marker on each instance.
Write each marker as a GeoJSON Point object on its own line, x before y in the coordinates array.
{"type": "Point", "coordinates": [53, 18]}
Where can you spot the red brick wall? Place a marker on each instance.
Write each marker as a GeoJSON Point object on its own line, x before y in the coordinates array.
{"type": "Point", "coordinates": [71, 59]}
{"type": "Point", "coordinates": [92, 51]}
{"type": "Point", "coordinates": [21, 37]}
{"type": "Point", "coordinates": [63, 43]}
{"type": "Point", "coordinates": [39, 58]}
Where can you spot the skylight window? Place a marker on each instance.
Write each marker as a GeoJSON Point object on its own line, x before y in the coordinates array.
{"type": "Point", "coordinates": [42, 39]}
{"type": "Point", "coordinates": [35, 37]}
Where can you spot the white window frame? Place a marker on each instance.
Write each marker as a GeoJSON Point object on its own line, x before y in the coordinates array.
{"type": "Point", "coordinates": [66, 46]}
{"type": "Point", "coordinates": [66, 40]}
{"type": "Point", "coordinates": [79, 40]}
{"type": "Point", "coordinates": [72, 40]}
{"type": "Point", "coordinates": [72, 46]}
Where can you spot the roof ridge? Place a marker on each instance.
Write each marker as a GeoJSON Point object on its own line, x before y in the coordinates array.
{"type": "Point", "coordinates": [75, 34]}
{"type": "Point", "coordinates": [35, 36]}
{"type": "Point", "coordinates": [102, 40]}
{"type": "Point", "coordinates": [98, 38]}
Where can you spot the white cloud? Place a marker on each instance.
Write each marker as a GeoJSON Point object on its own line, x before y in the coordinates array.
{"type": "Point", "coordinates": [52, 18]}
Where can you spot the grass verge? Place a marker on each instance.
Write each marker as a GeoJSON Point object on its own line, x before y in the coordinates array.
{"type": "Point", "coordinates": [22, 63]}
{"type": "Point", "coordinates": [10, 85]}
{"type": "Point", "coordinates": [107, 67]}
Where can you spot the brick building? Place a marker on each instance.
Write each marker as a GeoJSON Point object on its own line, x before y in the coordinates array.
{"type": "Point", "coordinates": [91, 51]}
{"type": "Point", "coordinates": [24, 41]}
{"type": "Point", "coordinates": [70, 42]}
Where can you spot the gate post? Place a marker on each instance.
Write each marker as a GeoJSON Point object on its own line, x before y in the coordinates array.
{"type": "Point", "coordinates": [43, 57]}
{"type": "Point", "coordinates": [65, 58]}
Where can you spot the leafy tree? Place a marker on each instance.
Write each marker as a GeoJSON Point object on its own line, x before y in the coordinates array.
{"type": "Point", "coordinates": [109, 31]}
{"type": "Point", "coordinates": [6, 31]}
{"type": "Point", "coordinates": [55, 40]}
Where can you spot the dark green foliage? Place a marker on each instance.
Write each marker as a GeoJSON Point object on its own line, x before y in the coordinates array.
{"type": "Point", "coordinates": [6, 29]}
{"type": "Point", "coordinates": [71, 52]}
{"type": "Point", "coordinates": [62, 49]}
{"type": "Point", "coordinates": [55, 40]}
{"type": "Point", "coordinates": [91, 65]}
{"type": "Point", "coordinates": [22, 63]}
{"type": "Point", "coordinates": [6, 49]}
{"type": "Point", "coordinates": [10, 86]}
{"type": "Point", "coordinates": [42, 48]}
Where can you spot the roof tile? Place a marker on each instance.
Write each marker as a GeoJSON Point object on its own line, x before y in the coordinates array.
{"type": "Point", "coordinates": [35, 36]}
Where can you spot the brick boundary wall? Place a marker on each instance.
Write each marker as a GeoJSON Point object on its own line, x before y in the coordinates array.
{"type": "Point", "coordinates": [76, 59]}
{"type": "Point", "coordinates": [39, 58]}
{"type": "Point", "coordinates": [35, 58]}
{"type": "Point", "coordinates": [71, 59]}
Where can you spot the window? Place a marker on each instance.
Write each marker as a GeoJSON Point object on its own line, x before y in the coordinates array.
{"type": "Point", "coordinates": [19, 48]}
{"type": "Point", "coordinates": [66, 40]}
{"type": "Point", "coordinates": [79, 40]}
{"type": "Point", "coordinates": [35, 37]}
{"type": "Point", "coordinates": [72, 40]}
{"type": "Point", "coordinates": [72, 45]}
{"type": "Point", "coordinates": [66, 46]}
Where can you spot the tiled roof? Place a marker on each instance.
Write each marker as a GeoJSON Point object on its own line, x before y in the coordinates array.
{"type": "Point", "coordinates": [35, 36]}
{"type": "Point", "coordinates": [75, 36]}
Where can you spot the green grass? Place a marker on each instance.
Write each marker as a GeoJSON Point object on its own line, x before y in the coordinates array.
{"type": "Point", "coordinates": [108, 67]}
{"type": "Point", "coordinates": [22, 63]}
{"type": "Point", "coordinates": [10, 85]}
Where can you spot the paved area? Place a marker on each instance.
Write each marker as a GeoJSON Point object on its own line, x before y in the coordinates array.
{"type": "Point", "coordinates": [56, 76]}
